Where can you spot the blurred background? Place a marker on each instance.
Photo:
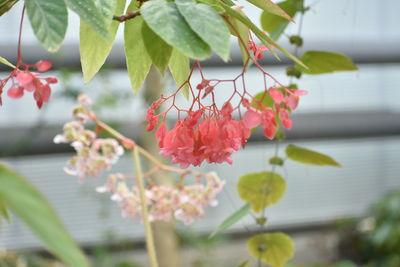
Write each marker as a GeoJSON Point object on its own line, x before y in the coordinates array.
{"type": "Point", "coordinates": [330, 212]}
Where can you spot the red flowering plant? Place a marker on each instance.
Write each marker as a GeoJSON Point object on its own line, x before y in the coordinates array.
{"type": "Point", "coordinates": [217, 121]}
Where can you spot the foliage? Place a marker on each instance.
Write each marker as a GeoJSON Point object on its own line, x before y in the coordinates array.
{"type": "Point", "coordinates": [28, 204]}
{"type": "Point", "coordinates": [375, 239]}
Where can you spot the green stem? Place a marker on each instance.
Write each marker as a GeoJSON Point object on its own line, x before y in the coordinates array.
{"type": "Point", "coordinates": [151, 250]}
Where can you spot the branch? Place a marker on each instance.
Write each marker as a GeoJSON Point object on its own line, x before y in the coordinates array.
{"type": "Point", "coordinates": [130, 15]}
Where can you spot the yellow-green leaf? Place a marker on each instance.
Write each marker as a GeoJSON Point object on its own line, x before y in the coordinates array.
{"type": "Point", "coordinates": [271, 7]}
{"type": "Point", "coordinates": [6, 5]}
{"type": "Point", "coordinates": [3, 210]}
{"type": "Point", "coordinates": [275, 249]}
{"type": "Point", "coordinates": [232, 219]}
{"type": "Point", "coordinates": [32, 207]}
{"type": "Point", "coordinates": [308, 156]}
{"type": "Point", "coordinates": [94, 49]}
{"type": "Point", "coordinates": [261, 189]}
{"type": "Point", "coordinates": [179, 66]}
{"type": "Point", "coordinates": [242, 32]}
{"type": "Point", "coordinates": [319, 62]}
{"type": "Point", "coordinates": [6, 62]}
{"type": "Point", "coordinates": [275, 25]}
{"type": "Point", "coordinates": [138, 61]}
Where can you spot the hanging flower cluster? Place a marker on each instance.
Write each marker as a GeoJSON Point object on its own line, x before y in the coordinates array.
{"type": "Point", "coordinates": [24, 80]}
{"type": "Point", "coordinates": [211, 133]}
{"type": "Point", "coordinates": [182, 202]}
{"type": "Point", "coordinates": [94, 155]}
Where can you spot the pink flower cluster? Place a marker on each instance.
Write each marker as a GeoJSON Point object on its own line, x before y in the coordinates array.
{"type": "Point", "coordinates": [214, 136]}
{"type": "Point", "coordinates": [25, 80]}
{"type": "Point", "coordinates": [94, 155]}
{"type": "Point", "coordinates": [182, 202]}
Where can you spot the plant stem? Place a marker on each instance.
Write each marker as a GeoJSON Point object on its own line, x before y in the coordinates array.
{"type": "Point", "coordinates": [151, 250]}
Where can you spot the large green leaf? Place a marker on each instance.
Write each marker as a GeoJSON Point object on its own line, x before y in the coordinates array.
{"type": "Point", "coordinates": [49, 20]}
{"type": "Point", "coordinates": [319, 62]}
{"type": "Point", "coordinates": [275, 249]}
{"type": "Point", "coordinates": [179, 66]}
{"type": "Point", "coordinates": [91, 14]}
{"type": "Point", "coordinates": [31, 206]}
{"type": "Point", "coordinates": [244, 264]}
{"type": "Point", "coordinates": [165, 20]}
{"type": "Point", "coordinates": [276, 25]}
{"type": "Point", "coordinates": [231, 220]}
{"type": "Point", "coordinates": [268, 41]}
{"type": "Point", "coordinates": [271, 7]}
{"type": "Point", "coordinates": [206, 22]}
{"type": "Point", "coordinates": [138, 61]}
{"type": "Point", "coordinates": [261, 189]}
{"type": "Point", "coordinates": [308, 156]}
{"type": "Point", "coordinates": [93, 48]}
{"type": "Point", "coordinates": [6, 5]}
{"type": "Point", "coordinates": [158, 50]}
{"type": "Point", "coordinates": [6, 62]}
{"type": "Point", "coordinates": [262, 98]}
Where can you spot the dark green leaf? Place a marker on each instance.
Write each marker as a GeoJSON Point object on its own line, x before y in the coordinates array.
{"type": "Point", "coordinates": [276, 25]}
{"type": "Point", "coordinates": [261, 189]}
{"type": "Point", "coordinates": [49, 20]}
{"type": "Point", "coordinates": [158, 50]}
{"type": "Point", "coordinates": [166, 21]}
{"type": "Point", "coordinates": [179, 66]}
{"type": "Point", "coordinates": [91, 14]}
{"type": "Point", "coordinates": [319, 62]}
{"type": "Point", "coordinates": [275, 249]}
{"type": "Point", "coordinates": [6, 62]}
{"type": "Point", "coordinates": [206, 22]}
{"type": "Point", "coordinates": [271, 7]}
{"type": "Point", "coordinates": [6, 5]}
{"type": "Point", "coordinates": [307, 156]}
{"type": "Point", "coordinates": [231, 220]}
{"type": "Point", "coordinates": [31, 206]}
{"type": "Point", "coordinates": [138, 61]}
{"type": "Point", "coordinates": [93, 48]}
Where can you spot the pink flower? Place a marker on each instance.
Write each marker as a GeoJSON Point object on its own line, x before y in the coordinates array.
{"type": "Point", "coordinates": [284, 117]}
{"type": "Point", "coordinates": [276, 95]}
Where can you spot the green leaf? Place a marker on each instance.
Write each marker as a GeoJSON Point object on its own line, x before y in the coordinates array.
{"type": "Point", "coordinates": [242, 33]}
{"type": "Point", "coordinates": [275, 249]}
{"type": "Point", "coordinates": [49, 20]}
{"type": "Point", "coordinates": [276, 161]}
{"type": "Point", "coordinates": [179, 66]}
{"type": "Point", "coordinates": [93, 48]}
{"type": "Point", "coordinates": [91, 14]}
{"type": "Point", "coordinates": [262, 98]}
{"type": "Point", "coordinates": [206, 22]}
{"type": "Point", "coordinates": [276, 25]}
{"type": "Point", "coordinates": [271, 7]}
{"type": "Point", "coordinates": [166, 21]}
{"type": "Point", "coordinates": [6, 5]}
{"type": "Point", "coordinates": [261, 189]}
{"type": "Point", "coordinates": [3, 210]}
{"type": "Point", "coordinates": [319, 62]}
{"type": "Point", "coordinates": [6, 62]}
{"type": "Point", "coordinates": [267, 41]}
{"type": "Point", "coordinates": [31, 206]}
{"type": "Point", "coordinates": [307, 156]}
{"type": "Point", "coordinates": [231, 220]}
{"type": "Point", "coordinates": [244, 264]}
{"type": "Point", "coordinates": [138, 61]}
{"type": "Point", "coordinates": [158, 50]}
